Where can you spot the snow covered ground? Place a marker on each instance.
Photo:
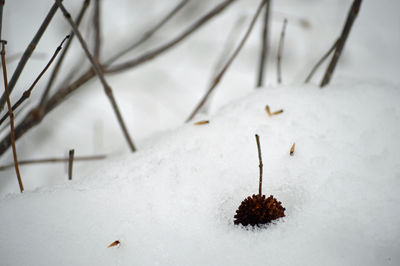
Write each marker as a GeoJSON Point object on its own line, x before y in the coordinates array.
{"type": "Point", "coordinates": [173, 202]}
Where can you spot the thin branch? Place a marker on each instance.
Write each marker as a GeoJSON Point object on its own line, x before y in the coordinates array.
{"type": "Point", "coordinates": [54, 160]}
{"type": "Point", "coordinates": [227, 49]}
{"type": "Point", "coordinates": [280, 49]}
{"type": "Point", "coordinates": [147, 35]}
{"type": "Point", "coordinates": [10, 113]}
{"type": "Point", "coordinates": [264, 46]}
{"type": "Point", "coordinates": [326, 55]}
{"type": "Point", "coordinates": [28, 52]}
{"type": "Point", "coordinates": [60, 60]}
{"type": "Point", "coordinates": [157, 51]}
{"type": "Point", "coordinates": [1, 16]}
{"type": "Point", "coordinates": [260, 165]}
{"type": "Point", "coordinates": [97, 30]}
{"type": "Point", "coordinates": [16, 56]}
{"type": "Point", "coordinates": [36, 115]}
{"type": "Point", "coordinates": [27, 93]}
{"type": "Point", "coordinates": [99, 74]}
{"type": "Point", "coordinates": [228, 46]}
{"type": "Point", "coordinates": [70, 163]}
{"type": "Point", "coordinates": [355, 8]}
{"type": "Point", "coordinates": [227, 65]}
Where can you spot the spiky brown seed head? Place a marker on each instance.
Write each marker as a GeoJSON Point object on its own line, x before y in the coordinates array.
{"type": "Point", "coordinates": [257, 210]}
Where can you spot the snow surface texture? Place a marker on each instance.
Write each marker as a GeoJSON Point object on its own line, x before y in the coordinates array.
{"type": "Point", "coordinates": [173, 202]}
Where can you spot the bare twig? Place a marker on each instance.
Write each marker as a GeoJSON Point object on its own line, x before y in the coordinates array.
{"type": "Point", "coordinates": [227, 49]}
{"type": "Point", "coordinates": [147, 35]}
{"type": "Point", "coordinates": [227, 65]}
{"type": "Point", "coordinates": [54, 160]}
{"type": "Point", "coordinates": [16, 56]}
{"type": "Point", "coordinates": [60, 60]}
{"type": "Point", "coordinates": [70, 163]}
{"type": "Point", "coordinates": [321, 61]}
{"type": "Point", "coordinates": [157, 51]}
{"type": "Point", "coordinates": [29, 50]}
{"type": "Point", "coordinates": [1, 16]}
{"type": "Point", "coordinates": [228, 46]}
{"type": "Point", "coordinates": [99, 74]}
{"type": "Point", "coordinates": [280, 49]}
{"type": "Point", "coordinates": [260, 165]}
{"type": "Point", "coordinates": [35, 116]}
{"type": "Point", "coordinates": [10, 113]}
{"type": "Point", "coordinates": [27, 93]}
{"type": "Point", "coordinates": [264, 46]}
{"type": "Point", "coordinates": [97, 30]}
{"type": "Point", "coordinates": [355, 8]}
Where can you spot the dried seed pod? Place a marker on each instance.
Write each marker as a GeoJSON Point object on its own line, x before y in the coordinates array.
{"type": "Point", "coordinates": [257, 210]}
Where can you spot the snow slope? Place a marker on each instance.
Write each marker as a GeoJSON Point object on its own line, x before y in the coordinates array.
{"type": "Point", "coordinates": [172, 203]}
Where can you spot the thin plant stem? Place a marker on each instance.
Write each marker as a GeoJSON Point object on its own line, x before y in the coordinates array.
{"type": "Point", "coordinates": [11, 115]}
{"type": "Point", "coordinates": [97, 30]}
{"type": "Point", "coordinates": [60, 60]}
{"type": "Point", "coordinates": [70, 163]}
{"type": "Point", "coordinates": [1, 16]}
{"type": "Point", "coordinates": [161, 49]}
{"type": "Point", "coordinates": [54, 160]}
{"type": "Point", "coordinates": [227, 65]}
{"type": "Point", "coordinates": [99, 74]}
{"type": "Point", "coordinates": [280, 49]}
{"type": "Point", "coordinates": [264, 46]}
{"type": "Point", "coordinates": [355, 8]}
{"type": "Point", "coordinates": [260, 165]}
{"type": "Point", "coordinates": [326, 55]}
{"type": "Point", "coordinates": [148, 34]}
{"type": "Point", "coordinates": [27, 93]}
{"type": "Point", "coordinates": [36, 115]}
{"type": "Point", "coordinates": [28, 52]}
{"type": "Point", "coordinates": [227, 48]}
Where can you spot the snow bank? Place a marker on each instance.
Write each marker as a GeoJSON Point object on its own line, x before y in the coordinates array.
{"type": "Point", "coordinates": [172, 203]}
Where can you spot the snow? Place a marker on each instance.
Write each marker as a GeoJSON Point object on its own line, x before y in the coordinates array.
{"type": "Point", "coordinates": [173, 201]}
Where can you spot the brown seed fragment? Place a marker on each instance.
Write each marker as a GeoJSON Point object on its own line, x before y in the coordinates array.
{"type": "Point", "coordinates": [116, 243]}
{"type": "Point", "coordinates": [268, 110]}
{"type": "Point", "coordinates": [292, 149]}
{"type": "Point", "coordinates": [202, 122]}
{"type": "Point", "coordinates": [277, 112]}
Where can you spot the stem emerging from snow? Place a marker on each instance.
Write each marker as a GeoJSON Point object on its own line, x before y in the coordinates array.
{"type": "Point", "coordinates": [280, 49]}
{"type": "Point", "coordinates": [260, 165]}
{"type": "Point", "coordinates": [70, 163]}
{"type": "Point", "coordinates": [99, 73]}
{"type": "Point", "coordinates": [264, 47]}
{"type": "Point", "coordinates": [227, 65]}
{"type": "Point", "coordinates": [10, 113]}
{"type": "Point", "coordinates": [355, 8]}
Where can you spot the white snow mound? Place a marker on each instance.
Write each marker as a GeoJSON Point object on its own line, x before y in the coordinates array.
{"type": "Point", "coordinates": [173, 202]}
